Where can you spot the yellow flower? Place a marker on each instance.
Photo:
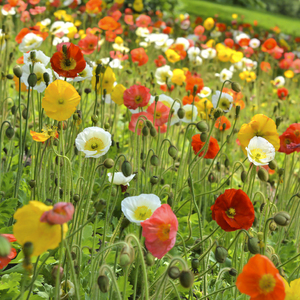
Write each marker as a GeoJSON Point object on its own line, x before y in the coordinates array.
{"type": "Point", "coordinates": [204, 107]}
{"type": "Point", "coordinates": [224, 55]}
{"type": "Point", "coordinates": [117, 94]}
{"type": "Point", "coordinates": [119, 1]}
{"type": "Point", "coordinates": [106, 80]}
{"type": "Point", "coordinates": [172, 56]}
{"type": "Point", "coordinates": [59, 14]}
{"type": "Point", "coordinates": [262, 126]}
{"type": "Point", "coordinates": [47, 133]}
{"type": "Point", "coordinates": [209, 23]}
{"type": "Point", "coordinates": [292, 291]}
{"type": "Point", "coordinates": [138, 5]}
{"type": "Point", "coordinates": [119, 40]}
{"type": "Point", "coordinates": [236, 56]}
{"type": "Point", "coordinates": [29, 228]}
{"type": "Point", "coordinates": [234, 16]}
{"type": "Point", "coordinates": [72, 32]}
{"type": "Point", "coordinates": [289, 74]}
{"type": "Point", "coordinates": [77, 23]}
{"type": "Point", "coordinates": [248, 76]}
{"type": "Point", "coordinates": [210, 43]}
{"type": "Point", "coordinates": [60, 100]}
{"type": "Point", "coordinates": [178, 77]}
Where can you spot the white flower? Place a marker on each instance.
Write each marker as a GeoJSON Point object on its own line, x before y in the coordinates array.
{"type": "Point", "coordinates": [11, 12]}
{"type": "Point", "coordinates": [87, 73]}
{"type": "Point", "coordinates": [39, 70]}
{"type": "Point", "coordinates": [140, 208]}
{"type": "Point", "coordinates": [39, 57]}
{"type": "Point", "coordinates": [142, 31]}
{"type": "Point", "coordinates": [208, 53]}
{"type": "Point", "coordinates": [193, 53]}
{"type": "Point", "coordinates": [119, 178]}
{"type": "Point", "coordinates": [120, 47]}
{"type": "Point", "coordinates": [254, 43]}
{"type": "Point", "coordinates": [116, 64]}
{"type": "Point", "coordinates": [69, 2]}
{"type": "Point", "coordinates": [279, 81]}
{"type": "Point", "coordinates": [61, 27]}
{"type": "Point", "coordinates": [260, 152]}
{"type": "Point", "coordinates": [215, 33]}
{"type": "Point", "coordinates": [224, 75]}
{"type": "Point", "coordinates": [70, 289]}
{"type": "Point", "coordinates": [158, 38]}
{"type": "Point", "coordinates": [58, 40]}
{"type": "Point", "coordinates": [2, 40]}
{"type": "Point", "coordinates": [241, 36]}
{"type": "Point", "coordinates": [166, 45]}
{"type": "Point", "coordinates": [205, 92]}
{"type": "Point", "coordinates": [198, 61]}
{"type": "Point", "coordinates": [162, 74]}
{"type": "Point", "coordinates": [30, 41]}
{"type": "Point", "coordinates": [46, 22]}
{"type": "Point", "coordinates": [225, 102]}
{"type": "Point", "coordinates": [93, 141]}
{"type": "Point", "coordinates": [144, 44]}
{"type": "Point", "coordinates": [183, 41]}
{"type": "Point", "coordinates": [191, 113]}
{"type": "Point", "coordinates": [169, 102]}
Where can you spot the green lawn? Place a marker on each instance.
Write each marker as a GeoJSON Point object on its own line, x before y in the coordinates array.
{"type": "Point", "coordinates": [265, 20]}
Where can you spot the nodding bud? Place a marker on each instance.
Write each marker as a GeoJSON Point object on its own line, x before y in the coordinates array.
{"type": "Point", "coordinates": [202, 126]}
{"type": "Point", "coordinates": [273, 164]}
{"type": "Point", "coordinates": [186, 279]}
{"type": "Point", "coordinates": [280, 172]}
{"type": "Point", "coordinates": [154, 180]}
{"type": "Point", "coordinates": [9, 132]}
{"type": "Point", "coordinates": [28, 249]}
{"type": "Point", "coordinates": [32, 183]}
{"type": "Point", "coordinates": [149, 124]}
{"type": "Point", "coordinates": [244, 176]}
{"type": "Point", "coordinates": [46, 77]}
{"type": "Point", "coordinates": [94, 119]}
{"type": "Point", "coordinates": [237, 111]}
{"type": "Point", "coordinates": [126, 168]}
{"type": "Point", "coordinates": [145, 131]}
{"type": "Point", "coordinates": [275, 259]}
{"type": "Point", "coordinates": [13, 109]}
{"type": "Point", "coordinates": [55, 272]}
{"type": "Point", "coordinates": [75, 116]}
{"type": "Point", "coordinates": [9, 76]}
{"type": "Point", "coordinates": [272, 226]}
{"type": "Point", "coordinates": [278, 121]}
{"type": "Point", "coordinates": [149, 259]}
{"type": "Point", "coordinates": [173, 151]}
{"type": "Point", "coordinates": [126, 256]}
{"type": "Point", "coordinates": [262, 206]}
{"type": "Point", "coordinates": [154, 160]}
{"type": "Point", "coordinates": [98, 69]}
{"type": "Point", "coordinates": [32, 55]}
{"type": "Point", "coordinates": [203, 137]}
{"type": "Point", "coordinates": [217, 112]}
{"type": "Point", "coordinates": [195, 88]}
{"type": "Point", "coordinates": [76, 198]}
{"type": "Point", "coordinates": [108, 163]}
{"type": "Point", "coordinates": [103, 283]}
{"type": "Point", "coordinates": [236, 87]}
{"type": "Point", "coordinates": [233, 272]}
{"type": "Point", "coordinates": [263, 174]}
{"type": "Point", "coordinates": [156, 98]}
{"type": "Point", "coordinates": [87, 90]}
{"type": "Point", "coordinates": [181, 113]}
{"type": "Point", "coordinates": [253, 245]}
{"type": "Point", "coordinates": [5, 246]}
{"type": "Point", "coordinates": [282, 218]}
{"type": "Point", "coordinates": [174, 272]}
{"type": "Point", "coordinates": [153, 132]}
{"type": "Point", "coordinates": [32, 80]}
{"type": "Point", "coordinates": [221, 254]}
{"type": "Point", "coordinates": [226, 163]}
{"type": "Point", "coordinates": [128, 71]}
{"type": "Point", "coordinates": [64, 49]}
{"type": "Point", "coordinates": [25, 113]}
{"type": "Point", "coordinates": [195, 263]}
{"type": "Point", "coordinates": [212, 178]}
{"type": "Point", "coordinates": [100, 205]}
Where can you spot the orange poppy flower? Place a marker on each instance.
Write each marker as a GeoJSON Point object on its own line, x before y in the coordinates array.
{"type": "Point", "coordinates": [108, 23]}
{"type": "Point", "coordinates": [268, 45]}
{"type": "Point", "coordinates": [220, 123]}
{"type": "Point", "coordinates": [261, 280]}
{"type": "Point", "coordinates": [93, 6]}
{"type": "Point", "coordinates": [179, 49]}
{"type": "Point", "coordinates": [265, 66]}
{"type": "Point", "coordinates": [189, 99]}
{"type": "Point", "coordinates": [192, 81]}
{"type": "Point", "coordinates": [5, 260]}
{"type": "Point", "coordinates": [88, 44]}
{"type": "Point", "coordinates": [237, 97]}
{"type": "Point", "coordinates": [17, 86]}
{"type": "Point", "coordinates": [34, 29]}
{"type": "Point", "coordinates": [139, 55]}
{"type": "Point", "coordinates": [213, 147]}
{"type": "Point", "coordinates": [68, 61]}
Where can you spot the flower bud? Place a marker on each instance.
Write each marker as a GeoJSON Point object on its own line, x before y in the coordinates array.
{"type": "Point", "coordinates": [202, 126]}
{"type": "Point", "coordinates": [94, 119]}
{"type": "Point", "coordinates": [13, 109]}
{"type": "Point", "coordinates": [237, 111]}
{"type": "Point", "coordinates": [195, 263]}
{"type": "Point", "coordinates": [32, 55]}
{"type": "Point", "coordinates": [149, 259]}
{"type": "Point", "coordinates": [145, 131]}
{"type": "Point", "coordinates": [263, 174]}
{"type": "Point", "coordinates": [181, 113]}
{"type": "Point", "coordinates": [5, 247]}
{"type": "Point", "coordinates": [18, 71]}
{"type": "Point", "coordinates": [253, 245]}
{"type": "Point", "coordinates": [236, 86]}
{"type": "Point", "coordinates": [275, 259]}
{"type": "Point", "coordinates": [9, 132]}
{"type": "Point", "coordinates": [278, 121]}
{"type": "Point", "coordinates": [156, 98]}
{"type": "Point", "coordinates": [32, 183]}
{"type": "Point", "coordinates": [32, 80]}
{"type": "Point", "coordinates": [126, 168]}
{"type": "Point", "coordinates": [273, 164]}
{"type": "Point", "coordinates": [100, 205]}
{"type": "Point", "coordinates": [203, 137]}
{"type": "Point", "coordinates": [212, 178]}
{"type": "Point", "coordinates": [46, 77]}
{"type": "Point", "coordinates": [9, 76]}
{"type": "Point", "coordinates": [217, 112]}
{"type": "Point", "coordinates": [113, 192]}
{"type": "Point", "coordinates": [54, 272]}
{"type": "Point", "coordinates": [25, 114]}
{"type": "Point", "coordinates": [154, 180]}
{"type": "Point", "coordinates": [221, 254]}
{"type": "Point", "coordinates": [126, 256]}
{"type": "Point", "coordinates": [103, 283]}
{"type": "Point", "coordinates": [173, 151]}
{"type": "Point", "coordinates": [282, 218]}
{"type": "Point", "coordinates": [233, 272]}
{"type": "Point", "coordinates": [280, 172]}
{"type": "Point", "coordinates": [106, 126]}
{"type": "Point", "coordinates": [28, 249]}
{"type": "Point", "coordinates": [226, 163]}
{"type": "Point", "coordinates": [174, 272]}
{"type": "Point", "coordinates": [125, 223]}
{"type": "Point", "coordinates": [108, 163]}
{"type": "Point", "coordinates": [243, 176]}
{"type": "Point", "coordinates": [186, 279]}
{"type": "Point", "coordinates": [154, 160]}
{"type": "Point", "coordinates": [272, 226]}
{"type": "Point", "coordinates": [153, 132]}
{"type": "Point", "coordinates": [76, 198]}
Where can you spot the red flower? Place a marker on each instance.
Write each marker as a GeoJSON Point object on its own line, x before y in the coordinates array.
{"type": "Point", "coordinates": [143, 21]}
{"type": "Point", "coordinates": [140, 126]}
{"type": "Point", "coordinates": [261, 280]}
{"type": "Point", "coordinates": [108, 23]}
{"type": "Point", "coordinates": [136, 96]}
{"type": "Point", "coordinates": [139, 55]}
{"type": "Point", "coordinates": [4, 261]}
{"type": "Point", "coordinates": [161, 113]}
{"type": "Point", "coordinates": [110, 36]}
{"type": "Point", "coordinates": [88, 44]}
{"type": "Point", "coordinates": [265, 66]}
{"type": "Point", "coordinates": [213, 147]}
{"type": "Point", "coordinates": [160, 231]}
{"type": "Point", "coordinates": [229, 43]}
{"type": "Point", "coordinates": [62, 212]}
{"type": "Point", "coordinates": [192, 81]}
{"type": "Point", "coordinates": [119, 55]}
{"type": "Point", "coordinates": [290, 139]}
{"type": "Point", "coordinates": [199, 30]}
{"type": "Point", "coordinates": [282, 93]}
{"type": "Point", "coordinates": [244, 42]}
{"type": "Point", "coordinates": [220, 123]}
{"type": "Point", "coordinates": [268, 45]}
{"type": "Point", "coordinates": [285, 63]}
{"type": "Point", "coordinates": [233, 210]}
{"type": "Point", "coordinates": [160, 61]}
{"type": "Point", "coordinates": [166, 88]}
{"type": "Point", "coordinates": [68, 61]}
{"type": "Point", "coordinates": [221, 27]}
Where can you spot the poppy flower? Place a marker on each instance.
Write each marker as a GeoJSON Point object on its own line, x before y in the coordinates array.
{"type": "Point", "coordinates": [290, 139]}
{"type": "Point", "coordinates": [94, 6]}
{"type": "Point", "coordinates": [136, 96]}
{"type": "Point", "coordinates": [292, 290]}
{"type": "Point", "coordinates": [222, 123]}
{"type": "Point", "coordinates": [282, 93]}
{"type": "Point", "coordinates": [47, 133]}
{"type": "Point", "coordinates": [213, 147]}
{"type": "Point", "coordinates": [108, 23]}
{"type": "Point", "coordinates": [194, 81]}
{"type": "Point", "coordinates": [107, 80]}
{"type": "Point", "coordinates": [142, 21]}
{"type": "Point", "coordinates": [160, 231]}
{"type": "Point", "coordinates": [118, 55]}
{"type": "Point", "coordinates": [190, 99]}
{"type": "Point", "coordinates": [88, 44]}
{"type": "Point", "coordinates": [139, 55]}
{"type": "Point", "coordinates": [199, 30]}
{"type": "Point", "coordinates": [161, 113]}
{"type": "Point", "coordinates": [268, 45]}
{"type": "Point", "coordinates": [4, 261]}
{"type": "Point", "coordinates": [285, 63]}
{"type": "Point", "coordinates": [261, 280]}
{"type": "Point", "coordinates": [265, 66]}
{"type": "Point", "coordinates": [160, 61]}
{"type": "Point", "coordinates": [229, 43]}
{"type": "Point", "coordinates": [137, 118]}
{"type": "Point", "coordinates": [68, 61]}
{"type": "Point", "coordinates": [233, 210]}
{"type": "Point", "coordinates": [62, 212]}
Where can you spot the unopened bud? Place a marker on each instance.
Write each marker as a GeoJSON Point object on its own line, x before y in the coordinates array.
{"type": "Point", "coordinates": [217, 112]}
{"type": "Point", "coordinates": [46, 77]}
{"type": "Point", "coordinates": [253, 245]}
{"type": "Point", "coordinates": [76, 198]}
{"type": "Point", "coordinates": [282, 218]}
{"type": "Point", "coordinates": [280, 172]}
{"type": "Point", "coordinates": [237, 111]}
{"type": "Point", "coordinates": [272, 226]}
{"type": "Point", "coordinates": [32, 183]}
{"type": "Point", "coordinates": [25, 114]}
{"type": "Point", "coordinates": [149, 259]}
{"type": "Point", "coordinates": [278, 121]}
{"type": "Point", "coordinates": [126, 256]}
{"type": "Point", "coordinates": [173, 151]}
{"type": "Point", "coordinates": [154, 160]}
{"type": "Point", "coordinates": [203, 137]}
{"type": "Point", "coordinates": [28, 249]}
{"type": "Point", "coordinates": [226, 163]}
{"type": "Point", "coordinates": [212, 178]}
{"type": "Point", "coordinates": [94, 119]}
{"type": "Point", "coordinates": [32, 80]}
{"type": "Point", "coordinates": [273, 164]}
{"type": "Point", "coordinates": [154, 180]}
{"type": "Point", "coordinates": [236, 87]}
{"type": "Point", "coordinates": [9, 76]}
{"type": "Point", "coordinates": [9, 132]}
{"type": "Point", "coordinates": [108, 163]}
{"type": "Point", "coordinates": [243, 176]}
{"type": "Point", "coordinates": [153, 132]}
{"type": "Point", "coordinates": [181, 113]}
{"type": "Point", "coordinates": [221, 254]}
{"type": "Point", "coordinates": [145, 131]}
{"type": "Point", "coordinates": [233, 272]}
{"type": "Point", "coordinates": [186, 279]}
{"type": "Point", "coordinates": [195, 263]}
{"type": "Point", "coordinates": [18, 71]}
{"type": "Point", "coordinates": [202, 126]}
{"type": "Point", "coordinates": [126, 168]}
{"type": "Point", "coordinates": [174, 272]}
{"type": "Point", "coordinates": [263, 174]}
{"type": "Point", "coordinates": [103, 283]}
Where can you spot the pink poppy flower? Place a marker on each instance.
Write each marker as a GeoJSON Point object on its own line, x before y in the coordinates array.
{"type": "Point", "coordinates": [296, 65]}
{"type": "Point", "coordinates": [119, 55]}
{"type": "Point", "coordinates": [134, 120]}
{"type": "Point", "coordinates": [136, 96]}
{"type": "Point", "coordinates": [160, 231]}
{"type": "Point", "coordinates": [37, 10]}
{"type": "Point", "coordinates": [25, 17]}
{"type": "Point", "coordinates": [161, 113]}
{"type": "Point", "coordinates": [62, 212]}
{"type": "Point", "coordinates": [143, 21]}
{"type": "Point", "coordinates": [89, 44]}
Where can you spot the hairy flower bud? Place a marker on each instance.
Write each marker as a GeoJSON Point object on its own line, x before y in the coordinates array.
{"type": "Point", "coordinates": [32, 80]}
{"type": "Point", "coordinates": [149, 259]}
{"type": "Point", "coordinates": [263, 174]}
{"type": "Point", "coordinates": [203, 137]}
{"type": "Point", "coordinates": [18, 71]}
{"type": "Point", "coordinates": [233, 272]}
{"type": "Point", "coordinates": [173, 151]}
{"type": "Point", "coordinates": [272, 226]}
{"type": "Point", "coordinates": [145, 131]}
{"type": "Point", "coordinates": [9, 132]}
{"type": "Point", "coordinates": [217, 112]}
{"type": "Point", "coordinates": [28, 249]}
{"type": "Point", "coordinates": [103, 283]}
{"type": "Point", "coordinates": [154, 180]}
{"type": "Point", "coordinates": [236, 87]}
{"type": "Point", "coordinates": [153, 132]}
{"type": "Point", "coordinates": [253, 245]}
{"type": "Point", "coordinates": [273, 164]}
{"type": "Point", "coordinates": [76, 198]}
{"type": "Point", "coordinates": [126, 256]}
{"type": "Point", "coordinates": [46, 77]}
{"type": "Point", "coordinates": [186, 279]}
{"type": "Point", "coordinates": [282, 218]}
{"type": "Point", "coordinates": [202, 126]}
{"type": "Point", "coordinates": [32, 183]}
{"type": "Point", "coordinates": [195, 263]}
{"type": "Point", "coordinates": [126, 168]}
{"type": "Point", "coordinates": [181, 113]}
{"type": "Point", "coordinates": [221, 254]}
{"type": "Point", "coordinates": [154, 160]}
{"type": "Point", "coordinates": [174, 272]}
{"type": "Point", "coordinates": [280, 172]}
{"type": "Point", "coordinates": [243, 176]}
{"type": "Point", "coordinates": [108, 163]}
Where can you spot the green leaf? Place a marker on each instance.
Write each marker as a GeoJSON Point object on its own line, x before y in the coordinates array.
{"type": "Point", "coordinates": [7, 210]}
{"type": "Point", "coordinates": [129, 290]}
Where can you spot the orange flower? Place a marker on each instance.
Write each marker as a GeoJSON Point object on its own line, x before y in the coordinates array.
{"type": "Point", "coordinates": [179, 49]}
{"type": "Point", "coordinates": [108, 23]}
{"type": "Point", "coordinates": [192, 81]}
{"type": "Point", "coordinates": [237, 97]}
{"type": "Point", "coordinates": [220, 123]}
{"type": "Point", "coordinates": [23, 86]}
{"type": "Point", "coordinates": [94, 6]}
{"type": "Point", "coordinates": [189, 99]}
{"type": "Point", "coordinates": [139, 55]}
{"type": "Point", "coordinates": [88, 44]}
{"type": "Point", "coordinates": [47, 133]}
{"type": "Point", "coordinates": [268, 45]}
{"type": "Point", "coordinates": [261, 280]}
{"type": "Point", "coordinates": [34, 29]}
{"type": "Point", "coordinates": [265, 66]}
{"type": "Point", "coordinates": [213, 147]}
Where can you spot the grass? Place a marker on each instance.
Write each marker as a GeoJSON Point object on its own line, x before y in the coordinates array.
{"type": "Point", "coordinates": [265, 20]}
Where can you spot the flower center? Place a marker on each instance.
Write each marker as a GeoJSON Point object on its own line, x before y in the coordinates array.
{"type": "Point", "coordinates": [258, 154]}
{"type": "Point", "coordinates": [163, 232]}
{"type": "Point", "coordinates": [231, 213]}
{"type": "Point", "coordinates": [157, 115]}
{"type": "Point", "coordinates": [138, 99]}
{"type": "Point", "coordinates": [267, 283]}
{"type": "Point", "coordinates": [31, 42]}
{"type": "Point", "coordinates": [189, 115]}
{"type": "Point", "coordinates": [142, 213]}
{"type": "Point", "coordinates": [94, 144]}
{"type": "Point", "coordinates": [297, 133]}
{"type": "Point", "coordinates": [224, 103]}
{"type": "Point", "coordinates": [61, 101]}
{"type": "Point", "coordinates": [68, 64]}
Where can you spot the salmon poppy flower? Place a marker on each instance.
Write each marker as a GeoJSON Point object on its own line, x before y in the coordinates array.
{"type": "Point", "coordinates": [136, 96]}
{"type": "Point", "coordinates": [139, 55]}
{"type": "Point", "coordinates": [68, 61]}
{"type": "Point", "coordinates": [268, 45]}
{"type": "Point", "coordinates": [160, 231]}
{"type": "Point", "coordinates": [141, 124]}
{"type": "Point", "coordinates": [62, 212]}
{"type": "Point", "coordinates": [142, 21]}
{"type": "Point", "coordinates": [222, 123]}
{"type": "Point", "coordinates": [233, 210]}
{"type": "Point", "coordinates": [261, 280]}
{"type": "Point", "coordinates": [282, 93]}
{"type": "Point", "coordinates": [265, 66]}
{"type": "Point", "coordinates": [5, 260]}
{"type": "Point", "coordinates": [161, 113]}
{"type": "Point", "coordinates": [213, 147]}
{"type": "Point", "coordinates": [290, 139]}
{"type": "Point", "coordinates": [108, 23]}
{"type": "Point", "coordinates": [88, 44]}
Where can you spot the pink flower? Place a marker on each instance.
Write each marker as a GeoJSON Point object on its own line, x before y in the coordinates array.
{"type": "Point", "coordinates": [89, 44]}
{"type": "Point", "coordinates": [136, 96]}
{"type": "Point", "coordinates": [160, 231]}
{"type": "Point", "coordinates": [61, 213]}
{"type": "Point", "coordinates": [37, 10]}
{"type": "Point", "coordinates": [161, 113]}
{"type": "Point", "coordinates": [140, 126]}
{"type": "Point", "coordinates": [119, 55]}
{"type": "Point", "coordinates": [289, 55]}
{"type": "Point", "coordinates": [276, 52]}
{"type": "Point", "coordinates": [143, 21]}
{"type": "Point", "coordinates": [285, 63]}
{"type": "Point", "coordinates": [296, 65]}
{"type": "Point", "coordinates": [25, 17]}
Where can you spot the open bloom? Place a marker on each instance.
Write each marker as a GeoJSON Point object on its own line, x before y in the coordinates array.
{"type": "Point", "coordinates": [5, 260]}
{"type": "Point", "coordinates": [139, 55]}
{"type": "Point", "coordinates": [290, 139]}
{"type": "Point", "coordinates": [233, 210]}
{"type": "Point", "coordinates": [225, 101]}
{"type": "Point", "coordinates": [88, 44]}
{"type": "Point", "coordinates": [61, 213]}
{"type": "Point", "coordinates": [261, 280]}
{"type": "Point", "coordinates": [212, 150]}
{"type": "Point", "coordinates": [222, 123]}
{"type": "Point", "coordinates": [60, 100]}
{"type": "Point", "coordinates": [260, 151]}
{"type": "Point", "coordinates": [47, 133]}
{"type": "Point", "coordinates": [29, 228]}
{"type": "Point", "coordinates": [30, 41]}
{"type": "Point", "coordinates": [161, 112]}
{"type": "Point", "coordinates": [136, 96]}
{"type": "Point", "coordinates": [292, 290]}
{"type": "Point", "coordinates": [93, 141]}
{"type": "Point", "coordinates": [139, 208]}
{"type": "Point", "coordinates": [137, 121]}
{"type": "Point", "coordinates": [120, 179]}
{"type": "Point", "coordinates": [160, 231]}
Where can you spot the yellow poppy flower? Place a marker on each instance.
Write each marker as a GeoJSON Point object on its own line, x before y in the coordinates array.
{"type": "Point", "coordinates": [178, 77]}
{"type": "Point", "coordinates": [119, 40]}
{"type": "Point", "coordinates": [224, 55]}
{"type": "Point", "coordinates": [29, 228]}
{"type": "Point", "coordinates": [60, 100]}
{"type": "Point", "coordinates": [138, 5]}
{"type": "Point", "coordinates": [117, 94]}
{"type": "Point", "coordinates": [106, 79]}
{"type": "Point", "coordinates": [262, 126]}
{"type": "Point", "coordinates": [209, 23]}
{"type": "Point", "coordinates": [292, 290]}
{"type": "Point", "coordinates": [172, 56]}
{"type": "Point", "coordinates": [289, 74]}
{"type": "Point", "coordinates": [236, 56]}
{"type": "Point", "coordinates": [234, 16]}
{"type": "Point", "coordinates": [204, 107]}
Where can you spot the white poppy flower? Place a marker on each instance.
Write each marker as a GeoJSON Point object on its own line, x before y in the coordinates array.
{"type": "Point", "coordinates": [183, 41]}
{"type": "Point", "coordinates": [120, 47]}
{"type": "Point", "coordinates": [87, 73]}
{"type": "Point", "coordinates": [158, 38]}
{"type": "Point", "coordinates": [2, 40]}
{"type": "Point", "coordinates": [70, 290]}
{"type": "Point", "coordinates": [225, 102]}
{"type": "Point", "coordinates": [193, 53]}
{"type": "Point", "coordinates": [93, 141]}
{"type": "Point", "coordinates": [260, 152]}
{"type": "Point", "coordinates": [10, 12]}
{"type": "Point", "coordinates": [208, 53]}
{"type": "Point", "coordinates": [279, 81]}
{"type": "Point", "coordinates": [58, 40]}
{"type": "Point", "coordinates": [140, 208]}
{"type": "Point", "coordinates": [30, 41]}
{"type": "Point", "coordinates": [225, 74]}
{"type": "Point", "coordinates": [162, 74]}
{"type": "Point", "coordinates": [254, 43]}
{"type": "Point", "coordinates": [166, 45]}
{"type": "Point", "coordinates": [205, 92]}
{"type": "Point", "coordinates": [142, 31]}
{"type": "Point", "coordinates": [119, 178]}
{"type": "Point", "coordinates": [39, 57]}
{"type": "Point", "coordinates": [191, 113]}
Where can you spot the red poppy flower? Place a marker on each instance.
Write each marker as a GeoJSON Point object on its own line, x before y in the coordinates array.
{"type": "Point", "coordinates": [128, 19]}
{"type": "Point", "coordinates": [213, 147]}
{"type": "Point", "coordinates": [229, 43]}
{"type": "Point", "coordinates": [276, 52]}
{"type": "Point", "coordinates": [268, 45]}
{"type": "Point", "coordinates": [160, 61]}
{"type": "Point", "coordinates": [244, 42]}
{"type": "Point", "coordinates": [139, 55]}
{"type": "Point", "coordinates": [233, 210]}
{"type": "Point", "coordinates": [160, 231]}
{"type": "Point", "coordinates": [110, 36]}
{"type": "Point", "coordinates": [265, 66]}
{"type": "Point", "coordinates": [136, 96]}
{"type": "Point", "coordinates": [282, 93]}
{"type": "Point", "coordinates": [68, 61]}
{"type": "Point", "coordinates": [261, 280]}
{"type": "Point", "coordinates": [4, 261]}
{"type": "Point", "coordinates": [93, 6]}
{"type": "Point", "coordinates": [285, 63]}
{"type": "Point", "coordinates": [221, 27]}
{"type": "Point", "coordinates": [142, 21]}
{"type": "Point", "coordinates": [220, 123]}
{"type": "Point", "coordinates": [199, 30]}
{"type": "Point", "coordinates": [290, 139]}
{"type": "Point", "coordinates": [167, 88]}
{"type": "Point", "coordinates": [62, 212]}
{"type": "Point", "coordinates": [88, 44]}
{"type": "Point", "coordinates": [108, 23]}
{"type": "Point", "coordinates": [161, 113]}
{"type": "Point", "coordinates": [140, 126]}
{"type": "Point", "coordinates": [168, 30]}
{"type": "Point", "coordinates": [192, 81]}
{"type": "Point", "coordinates": [248, 51]}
